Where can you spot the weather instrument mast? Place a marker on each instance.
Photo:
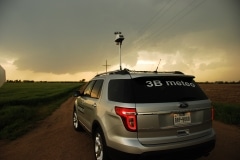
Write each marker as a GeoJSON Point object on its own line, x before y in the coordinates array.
{"type": "Point", "coordinates": [119, 38]}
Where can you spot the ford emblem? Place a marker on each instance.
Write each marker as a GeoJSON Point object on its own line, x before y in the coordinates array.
{"type": "Point", "coordinates": [183, 105]}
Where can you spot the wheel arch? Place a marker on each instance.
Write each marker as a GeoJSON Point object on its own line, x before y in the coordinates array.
{"type": "Point", "coordinates": [96, 125]}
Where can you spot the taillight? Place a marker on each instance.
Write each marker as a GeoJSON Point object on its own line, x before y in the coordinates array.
{"type": "Point", "coordinates": [212, 113]}
{"type": "Point", "coordinates": [129, 117]}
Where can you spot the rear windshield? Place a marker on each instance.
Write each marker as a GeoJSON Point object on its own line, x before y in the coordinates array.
{"type": "Point", "coordinates": [155, 90]}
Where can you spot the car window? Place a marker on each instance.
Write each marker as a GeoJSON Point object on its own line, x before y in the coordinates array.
{"type": "Point", "coordinates": [97, 89]}
{"type": "Point", "coordinates": [155, 90]}
{"type": "Point", "coordinates": [120, 90]}
{"type": "Point", "coordinates": [87, 91]}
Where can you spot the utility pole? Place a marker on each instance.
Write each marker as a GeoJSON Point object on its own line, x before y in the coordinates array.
{"type": "Point", "coordinates": [106, 65]}
{"type": "Point", "coordinates": [118, 40]}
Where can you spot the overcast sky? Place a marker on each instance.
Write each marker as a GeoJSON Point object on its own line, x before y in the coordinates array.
{"type": "Point", "coordinates": [59, 40]}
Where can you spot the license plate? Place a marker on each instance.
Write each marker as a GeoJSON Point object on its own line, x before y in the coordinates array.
{"type": "Point", "coordinates": [182, 118]}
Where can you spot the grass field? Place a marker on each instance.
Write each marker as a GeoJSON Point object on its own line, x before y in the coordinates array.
{"type": "Point", "coordinates": [33, 93]}
{"type": "Point", "coordinates": [23, 104]}
{"type": "Point", "coordinates": [223, 93]}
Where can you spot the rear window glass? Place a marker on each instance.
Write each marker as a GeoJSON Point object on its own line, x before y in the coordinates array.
{"type": "Point", "coordinates": [155, 90]}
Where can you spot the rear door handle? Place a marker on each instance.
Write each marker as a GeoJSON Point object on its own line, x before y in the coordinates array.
{"type": "Point", "coordinates": [94, 105]}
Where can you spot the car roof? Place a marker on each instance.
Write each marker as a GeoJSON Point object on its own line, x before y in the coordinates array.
{"type": "Point", "coordinates": [134, 74]}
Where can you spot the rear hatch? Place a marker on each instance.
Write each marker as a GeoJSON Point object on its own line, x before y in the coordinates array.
{"type": "Point", "coordinates": [170, 109]}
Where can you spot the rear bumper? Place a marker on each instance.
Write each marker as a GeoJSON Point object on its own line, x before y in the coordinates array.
{"type": "Point", "coordinates": [133, 146]}
{"type": "Point", "coordinates": [190, 152]}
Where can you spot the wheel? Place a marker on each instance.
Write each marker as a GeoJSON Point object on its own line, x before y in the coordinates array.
{"type": "Point", "coordinates": [76, 124]}
{"type": "Point", "coordinates": [100, 145]}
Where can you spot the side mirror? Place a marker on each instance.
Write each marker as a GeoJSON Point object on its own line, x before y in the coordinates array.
{"type": "Point", "coordinates": [76, 94]}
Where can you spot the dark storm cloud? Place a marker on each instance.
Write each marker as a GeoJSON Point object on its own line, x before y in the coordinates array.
{"type": "Point", "coordinates": [63, 36]}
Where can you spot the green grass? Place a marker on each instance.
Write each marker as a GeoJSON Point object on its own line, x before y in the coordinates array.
{"type": "Point", "coordinates": [33, 93]}
{"type": "Point", "coordinates": [23, 104]}
{"type": "Point", "coordinates": [227, 113]}
{"type": "Point", "coordinates": [16, 120]}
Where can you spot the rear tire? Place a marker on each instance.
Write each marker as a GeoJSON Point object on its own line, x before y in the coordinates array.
{"type": "Point", "coordinates": [100, 149]}
{"type": "Point", "coordinates": [76, 124]}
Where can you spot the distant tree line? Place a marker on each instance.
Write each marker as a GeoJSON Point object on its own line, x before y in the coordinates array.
{"type": "Point", "coordinates": [32, 81]}
{"type": "Point", "coordinates": [221, 82]}
{"type": "Point", "coordinates": [84, 80]}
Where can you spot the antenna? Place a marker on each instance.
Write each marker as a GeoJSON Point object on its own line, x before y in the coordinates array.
{"type": "Point", "coordinates": [157, 66]}
{"type": "Point", "coordinates": [119, 38]}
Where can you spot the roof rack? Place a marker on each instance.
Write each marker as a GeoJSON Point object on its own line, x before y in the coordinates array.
{"type": "Point", "coordinates": [127, 71]}
{"type": "Point", "coordinates": [124, 71]}
{"type": "Point", "coordinates": [173, 72]}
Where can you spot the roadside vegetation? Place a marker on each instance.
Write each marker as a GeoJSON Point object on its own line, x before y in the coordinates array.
{"type": "Point", "coordinates": [24, 104]}
{"type": "Point", "coordinates": [227, 113]}
{"type": "Point", "coordinates": [226, 101]}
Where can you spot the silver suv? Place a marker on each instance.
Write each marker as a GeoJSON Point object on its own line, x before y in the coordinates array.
{"type": "Point", "coordinates": [134, 114]}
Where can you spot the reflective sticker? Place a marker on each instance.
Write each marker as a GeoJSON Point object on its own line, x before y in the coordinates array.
{"type": "Point", "coordinates": [158, 83]}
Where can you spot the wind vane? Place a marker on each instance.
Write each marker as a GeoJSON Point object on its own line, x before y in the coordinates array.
{"type": "Point", "coordinates": [119, 38]}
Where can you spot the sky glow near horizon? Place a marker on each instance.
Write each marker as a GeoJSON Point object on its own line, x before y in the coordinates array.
{"type": "Point", "coordinates": [70, 40]}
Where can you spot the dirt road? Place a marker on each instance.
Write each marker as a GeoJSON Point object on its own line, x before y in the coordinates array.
{"type": "Point", "coordinates": [55, 139]}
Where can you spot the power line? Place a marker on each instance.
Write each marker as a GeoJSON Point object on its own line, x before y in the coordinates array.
{"type": "Point", "coordinates": [173, 20]}
{"type": "Point", "coordinates": [150, 22]}
{"type": "Point", "coordinates": [161, 15]}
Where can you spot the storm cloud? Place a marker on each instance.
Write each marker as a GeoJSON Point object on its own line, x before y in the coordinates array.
{"type": "Point", "coordinates": [71, 36]}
